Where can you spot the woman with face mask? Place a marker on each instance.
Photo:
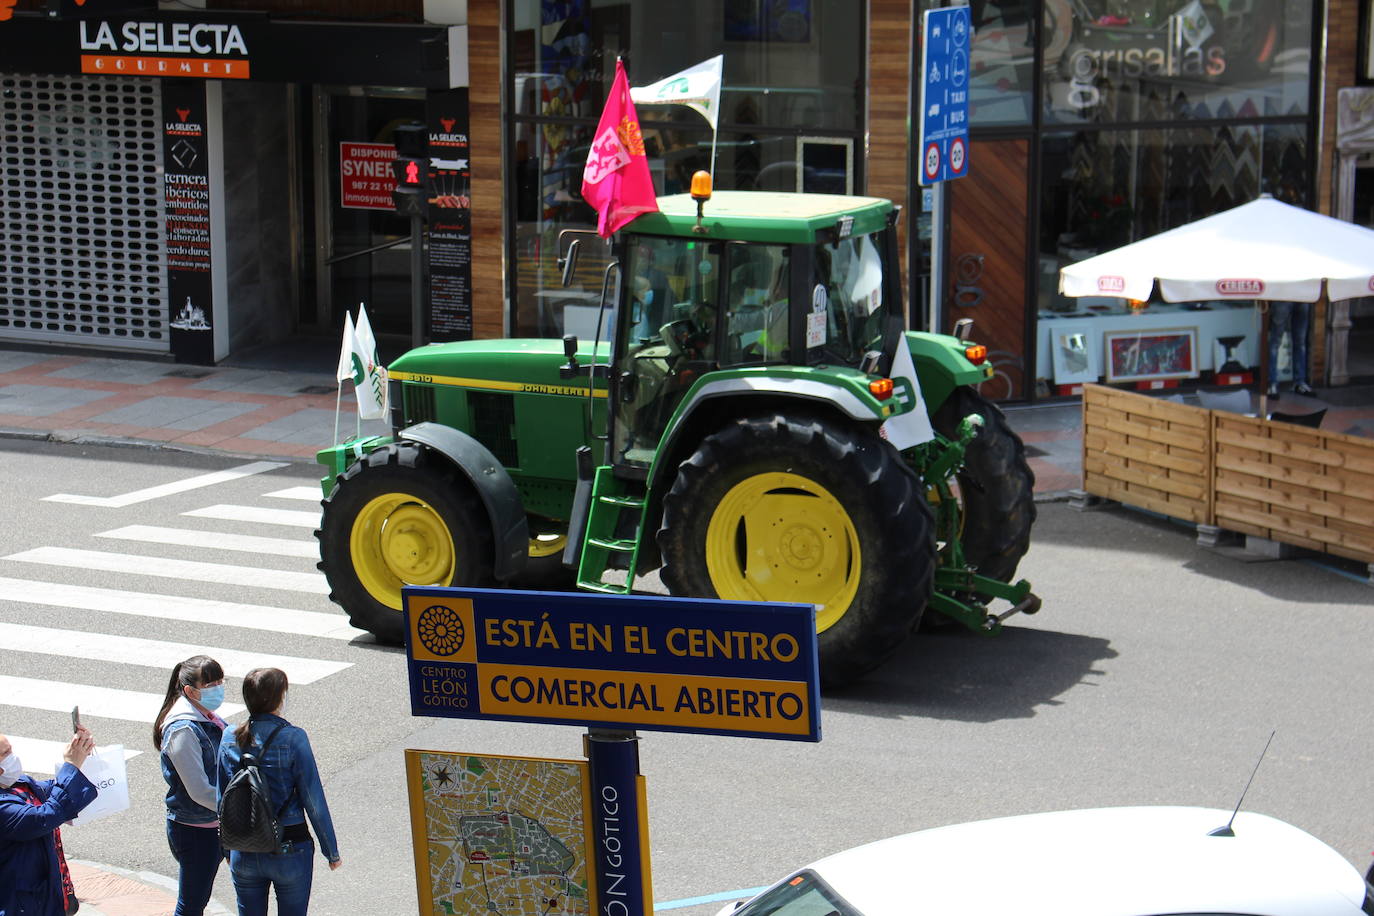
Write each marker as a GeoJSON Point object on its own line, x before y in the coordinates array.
{"type": "Point", "coordinates": [33, 871]}
{"type": "Point", "coordinates": [187, 732]}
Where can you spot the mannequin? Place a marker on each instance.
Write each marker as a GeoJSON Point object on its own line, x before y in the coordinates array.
{"type": "Point", "coordinates": [1296, 319]}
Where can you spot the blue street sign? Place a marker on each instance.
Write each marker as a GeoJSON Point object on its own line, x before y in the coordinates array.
{"type": "Point", "coordinates": [619, 661]}
{"type": "Point", "coordinates": [942, 148]}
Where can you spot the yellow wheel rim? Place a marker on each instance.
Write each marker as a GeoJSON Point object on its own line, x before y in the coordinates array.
{"type": "Point", "coordinates": [783, 537]}
{"type": "Point", "coordinates": [545, 545]}
{"type": "Point", "coordinates": [400, 540]}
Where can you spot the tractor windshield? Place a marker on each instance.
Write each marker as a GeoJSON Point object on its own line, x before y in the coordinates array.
{"type": "Point", "coordinates": [849, 290]}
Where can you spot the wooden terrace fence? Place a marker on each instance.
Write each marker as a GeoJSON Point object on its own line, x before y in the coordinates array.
{"type": "Point", "coordinates": [1274, 480]}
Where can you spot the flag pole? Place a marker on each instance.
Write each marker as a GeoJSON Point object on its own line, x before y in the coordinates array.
{"type": "Point", "coordinates": [715, 132]}
{"type": "Point", "coordinates": [338, 405]}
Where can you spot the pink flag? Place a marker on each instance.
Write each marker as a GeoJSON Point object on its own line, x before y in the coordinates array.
{"type": "Point", "coordinates": [616, 180]}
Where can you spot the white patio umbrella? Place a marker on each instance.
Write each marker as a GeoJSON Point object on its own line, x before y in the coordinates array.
{"type": "Point", "coordinates": [1261, 250]}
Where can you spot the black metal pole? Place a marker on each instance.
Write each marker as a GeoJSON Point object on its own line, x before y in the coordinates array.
{"type": "Point", "coordinates": [417, 323]}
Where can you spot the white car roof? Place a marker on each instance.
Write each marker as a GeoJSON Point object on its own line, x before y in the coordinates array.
{"type": "Point", "coordinates": [1099, 862]}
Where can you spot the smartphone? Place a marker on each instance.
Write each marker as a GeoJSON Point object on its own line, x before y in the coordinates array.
{"type": "Point", "coordinates": [76, 719]}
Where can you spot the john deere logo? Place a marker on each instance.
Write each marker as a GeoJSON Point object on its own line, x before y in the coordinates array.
{"type": "Point", "coordinates": [441, 630]}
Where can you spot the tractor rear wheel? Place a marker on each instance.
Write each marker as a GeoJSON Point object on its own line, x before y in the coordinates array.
{"type": "Point", "coordinates": [996, 487]}
{"type": "Point", "coordinates": [400, 516]}
{"type": "Point", "coordinates": [789, 507]}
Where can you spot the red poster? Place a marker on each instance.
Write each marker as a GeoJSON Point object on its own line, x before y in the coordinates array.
{"type": "Point", "coordinates": [365, 178]}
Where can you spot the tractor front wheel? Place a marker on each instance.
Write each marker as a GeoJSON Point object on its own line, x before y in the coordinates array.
{"type": "Point", "coordinates": [788, 507]}
{"type": "Point", "coordinates": [996, 487]}
{"type": "Point", "coordinates": [400, 516]}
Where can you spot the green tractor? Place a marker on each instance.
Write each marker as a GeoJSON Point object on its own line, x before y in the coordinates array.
{"type": "Point", "coordinates": [734, 435]}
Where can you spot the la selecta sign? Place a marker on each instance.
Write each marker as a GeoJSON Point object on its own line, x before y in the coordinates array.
{"type": "Point", "coordinates": [365, 178]}
{"type": "Point", "coordinates": [621, 661]}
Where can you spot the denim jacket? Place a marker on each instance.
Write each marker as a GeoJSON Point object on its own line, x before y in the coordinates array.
{"type": "Point", "coordinates": [186, 804]}
{"type": "Point", "coordinates": [289, 765]}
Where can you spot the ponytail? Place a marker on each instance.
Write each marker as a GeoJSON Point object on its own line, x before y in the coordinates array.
{"type": "Point", "coordinates": [263, 691]}
{"type": "Point", "coordinates": [196, 670]}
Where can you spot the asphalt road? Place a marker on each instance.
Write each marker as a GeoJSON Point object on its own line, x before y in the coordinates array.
{"type": "Point", "coordinates": [1154, 674]}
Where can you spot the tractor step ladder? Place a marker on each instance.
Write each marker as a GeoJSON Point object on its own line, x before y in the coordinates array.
{"type": "Point", "coordinates": [610, 502]}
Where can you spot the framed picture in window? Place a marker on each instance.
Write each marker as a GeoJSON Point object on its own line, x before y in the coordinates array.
{"type": "Point", "coordinates": [1075, 358]}
{"type": "Point", "coordinates": [1136, 356]}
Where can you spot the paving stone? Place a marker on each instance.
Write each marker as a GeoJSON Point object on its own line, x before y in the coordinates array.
{"type": "Point", "coordinates": [175, 413]}
{"type": "Point", "coordinates": [43, 400]}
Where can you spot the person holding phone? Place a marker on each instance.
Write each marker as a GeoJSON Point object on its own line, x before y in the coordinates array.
{"type": "Point", "coordinates": [33, 870]}
{"type": "Point", "coordinates": [187, 733]}
{"type": "Point", "coordinates": [293, 783]}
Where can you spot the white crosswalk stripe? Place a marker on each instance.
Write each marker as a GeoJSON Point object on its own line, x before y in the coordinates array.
{"type": "Point", "coordinates": [152, 653]}
{"type": "Point", "coordinates": [167, 568]}
{"type": "Point", "coordinates": [292, 517]}
{"type": "Point", "coordinates": [100, 702]}
{"type": "Point", "coordinates": [305, 494]}
{"type": "Point", "coordinates": [170, 607]}
{"type": "Point", "coordinates": [215, 540]}
{"type": "Point", "coordinates": [167, 489]}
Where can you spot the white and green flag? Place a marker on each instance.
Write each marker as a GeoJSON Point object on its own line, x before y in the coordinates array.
{"type": "Point", "coordinates": [910, 425]}
{"type": "Point", "coordinates": [358, 361]}
{"type": "Point", "coordinates": [696, 87]}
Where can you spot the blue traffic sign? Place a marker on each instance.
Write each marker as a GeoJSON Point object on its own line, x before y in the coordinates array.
{"type": "Point", "coordinates": [614, 661]}
{"type": "Point", "coordinates": [942, 147]}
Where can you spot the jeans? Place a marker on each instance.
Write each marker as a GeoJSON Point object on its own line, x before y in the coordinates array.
{"type": "Point", "coordinates": [1295, 318]}
{"type": "Point", "coordinates": [197, 851]}
{"type": "Point", "coordinates": [289, 872]}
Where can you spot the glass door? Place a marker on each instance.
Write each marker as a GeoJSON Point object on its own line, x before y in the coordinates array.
{"type": "Point", "coordinates": [353, 212]}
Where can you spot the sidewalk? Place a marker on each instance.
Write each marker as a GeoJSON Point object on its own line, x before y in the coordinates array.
{"type": "Point", "coordinates": [279, 414]}
{"type": "Point", "coordinates": [106, 890]}
{"type": "Point", "coordinates": [289, 414]}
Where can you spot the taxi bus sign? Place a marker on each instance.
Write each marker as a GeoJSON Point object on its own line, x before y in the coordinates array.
{"type": "Point", "coordinates": [614, 661]}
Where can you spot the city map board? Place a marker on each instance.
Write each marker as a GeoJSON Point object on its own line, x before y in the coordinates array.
{"type": "Point", "coordinates": [614, 661]}
{"type": "Point", "coordinates": [497, 834]}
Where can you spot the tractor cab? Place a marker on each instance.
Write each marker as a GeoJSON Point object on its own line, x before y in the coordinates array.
{"type": "Point", "coordinates": [807, 285]}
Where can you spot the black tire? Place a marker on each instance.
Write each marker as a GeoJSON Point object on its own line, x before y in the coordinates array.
{"type": "Point", "coordinates": [544, 569]}
{"type": "Point", "coordinates": [996, 487]}
{"type": "Point", "coordinates": [846, 490]}
{"type": "Point", "coordinates": [384, 525]}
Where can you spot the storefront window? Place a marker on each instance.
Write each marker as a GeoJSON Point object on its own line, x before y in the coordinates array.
{"type": "Point", "coordinates": [792, 111]}
{"type": "Point", "coordinates": [1163, 60]}
{"type": "Point", "coordinates": [1002, 61]}
{"type": "Point", "coordinates": [1105, 189]}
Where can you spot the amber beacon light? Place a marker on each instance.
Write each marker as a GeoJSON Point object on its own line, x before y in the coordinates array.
{"type": "Point", "coordinates": [701, 192]}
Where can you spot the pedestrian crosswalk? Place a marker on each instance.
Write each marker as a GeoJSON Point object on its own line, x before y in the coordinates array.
{"type": "Point", "coordinates": [126, 596]}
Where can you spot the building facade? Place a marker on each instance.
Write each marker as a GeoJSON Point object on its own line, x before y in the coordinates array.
{"type": "Point", "coordinates": [1094, 123]}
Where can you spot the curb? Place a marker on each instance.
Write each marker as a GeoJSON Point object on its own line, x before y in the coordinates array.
{"type": "Point", "coordinates": [108, 890]}
{"type": "Point", "coordinates": [76, 437]}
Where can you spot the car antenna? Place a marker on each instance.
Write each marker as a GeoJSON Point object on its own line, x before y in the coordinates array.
{"type": "Point", "coordinates": [1226, 829]}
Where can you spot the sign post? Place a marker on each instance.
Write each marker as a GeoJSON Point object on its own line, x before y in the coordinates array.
{"type": "Point", "coordinates": [613, 664]}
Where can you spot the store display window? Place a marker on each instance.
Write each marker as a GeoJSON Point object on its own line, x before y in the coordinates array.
{"type": "Point", "coordinates": [792, 109]}
{"type": "Point", "coordinates": [1104, 189]}
{"type": "Point", "coordinates": [1110, 61]}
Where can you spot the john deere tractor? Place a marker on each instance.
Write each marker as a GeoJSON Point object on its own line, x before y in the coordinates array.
{"type": "Point", "coordinates": [753, 431]}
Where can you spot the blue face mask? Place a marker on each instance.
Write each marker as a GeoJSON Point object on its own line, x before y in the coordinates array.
{"type": "Point", "coordinates": [212, 697]}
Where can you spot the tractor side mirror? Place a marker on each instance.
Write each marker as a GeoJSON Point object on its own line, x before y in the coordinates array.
{"type": "Point", "coordinates": [568, 263]}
